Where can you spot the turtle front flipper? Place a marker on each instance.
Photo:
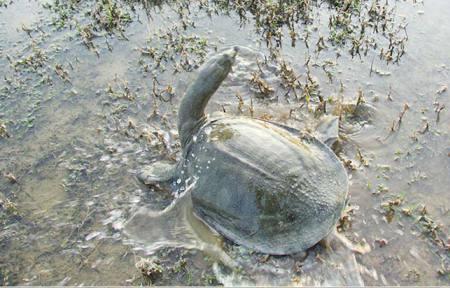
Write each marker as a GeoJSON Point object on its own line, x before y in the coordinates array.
{"type": "Point", "coordinates": [175, 226]}
{"type": "Point", "coordinates": [160, 171]}
{"type": "Point", "coordinates": [327, 130]}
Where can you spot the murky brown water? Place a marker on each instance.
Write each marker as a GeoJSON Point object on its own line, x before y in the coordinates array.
{"type": "Point", "coordinates": [81, 125]}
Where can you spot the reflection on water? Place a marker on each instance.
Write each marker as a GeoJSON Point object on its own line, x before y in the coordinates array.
{"type": "Point", "coordinates": [83, 125]}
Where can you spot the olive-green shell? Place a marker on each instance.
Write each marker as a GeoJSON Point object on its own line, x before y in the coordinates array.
{"type": "Point", "coordinates": [264, 187]}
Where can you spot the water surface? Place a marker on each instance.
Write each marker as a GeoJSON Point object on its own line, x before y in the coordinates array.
{"type": "Point", "coordinates": [84, 115]}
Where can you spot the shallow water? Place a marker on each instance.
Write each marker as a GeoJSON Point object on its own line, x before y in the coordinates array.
{"type": "Point", "coordinates": [79, 135]}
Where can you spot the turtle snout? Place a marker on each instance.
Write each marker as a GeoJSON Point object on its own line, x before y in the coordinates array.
{"type": "Point", "coordinates": [227, 59]}
{"type": "Point", "coordinates": [231, 53]}
{"type": "Point", "coordinates": [236, 50]}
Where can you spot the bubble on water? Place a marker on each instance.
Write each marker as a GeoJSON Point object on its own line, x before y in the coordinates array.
{"type": "Point", "coordinates": [90, 203]}
{"type": "Point", "coordinates": [105, 158]}
{"type": "Point", "coordinates": [114, 215]}
{"type": "Point", "coordinates": [118, 225]}
{"type": "Point", "coordinates": [135, 199]}
{"type": "Point", "coordinates": [92, 235]}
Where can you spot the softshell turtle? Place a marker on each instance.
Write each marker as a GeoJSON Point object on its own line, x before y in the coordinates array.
{"type": "Point", "coordinates": [262, 185]}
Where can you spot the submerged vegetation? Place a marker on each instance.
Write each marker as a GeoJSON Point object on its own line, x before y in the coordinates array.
{"type": "Point", "coordinates": [89, 94]}
{"type": "Point", "coordinates": [354, 25]}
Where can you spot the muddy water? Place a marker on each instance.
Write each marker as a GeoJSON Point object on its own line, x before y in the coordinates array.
{"type": "Point", "coordinates": [82, 125]}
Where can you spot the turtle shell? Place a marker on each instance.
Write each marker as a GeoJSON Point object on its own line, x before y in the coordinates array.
{"type": "Point", "coordinates": [264, 187]}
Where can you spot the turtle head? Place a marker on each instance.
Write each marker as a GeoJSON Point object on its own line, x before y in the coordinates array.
{"type": "Point", "coordinates": [226, 59]}
{"type": "Point", "coordinates": [209, 79]}
{"type": "Point", "coordinates": [218, 67]}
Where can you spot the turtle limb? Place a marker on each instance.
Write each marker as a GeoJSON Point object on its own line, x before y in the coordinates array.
{"type": "Point", "coordinates": [160, 171]}
{"type": "Point", "coordinates": [175, 226]}
{"type": "Point", "coordinates": [327, 130]}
